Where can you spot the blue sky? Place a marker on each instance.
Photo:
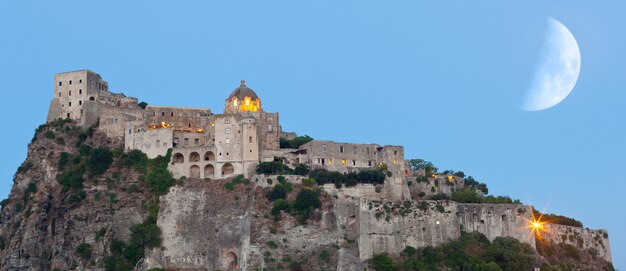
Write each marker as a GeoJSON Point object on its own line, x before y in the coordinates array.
{"type": "Point", "coordinates": [445, 81]}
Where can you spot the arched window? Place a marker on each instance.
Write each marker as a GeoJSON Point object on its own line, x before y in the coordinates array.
{"type": "Point", "coordinates": [178, 158]}
{"type": "Point", "coordinates": [209, 156]}
{"type": "Point", "coordinates": [194, 157]}
{"type": "Point", "coordinates": [194, 171]}
{"type": "Point", "coordinates": [209, 171]}
{"type": "Point", "coordinates": [228, 169]}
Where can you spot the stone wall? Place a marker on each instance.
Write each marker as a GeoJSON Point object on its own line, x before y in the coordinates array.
{"type": "Point", "coordinates": [386, 226]}
{"type": "Point", "coordinates": [497, 220]}
{"type": "Point", "coordinates": [581, 238]}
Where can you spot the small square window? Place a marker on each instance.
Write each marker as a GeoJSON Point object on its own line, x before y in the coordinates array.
{"type": "Point", "coordinates": [60, 83]}
{"type": "Point", "coordinates": [80, 81]}
{"type": "Point", "coordinates": [196, 141]}
{"type": "Point", "coordinates": [70, 82]}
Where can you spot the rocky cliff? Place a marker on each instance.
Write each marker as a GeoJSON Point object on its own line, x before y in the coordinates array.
{"type": "Point", "coordinates": [80, 203]}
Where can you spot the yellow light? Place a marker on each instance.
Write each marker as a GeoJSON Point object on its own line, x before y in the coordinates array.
{"type": "Point", "coordinates": [536, 225]}
{"type": "Point", "coordinates": [343, 162]}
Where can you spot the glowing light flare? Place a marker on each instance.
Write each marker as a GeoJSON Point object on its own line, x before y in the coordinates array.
{"type": "Point", "coordinates": [536, 225]}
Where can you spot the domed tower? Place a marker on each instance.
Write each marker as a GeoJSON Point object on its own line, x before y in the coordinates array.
{"type": "Point", "coordinates": [243, 99]}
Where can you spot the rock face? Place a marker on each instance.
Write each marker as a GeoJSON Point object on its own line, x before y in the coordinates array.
{"type": "Point", "coordinates": [205, 226]}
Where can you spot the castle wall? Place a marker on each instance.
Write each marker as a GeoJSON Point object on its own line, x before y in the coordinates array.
{"type": "Point", "coordinates": [343, 157]}
{"type": "Point", "coordinates": [438, 185]}
{"type": "Point", "coordinates": [179, 118]}
{"type": "Point", "coordinates": [497, 220]}
{"type": "Point", "coordinates": [391, 226]}
{"type": "Point", "coordinates": [153, 142]}
{"type": "Point", "coordinates": [582, 238]}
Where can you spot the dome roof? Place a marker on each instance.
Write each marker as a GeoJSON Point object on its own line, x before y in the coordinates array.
{"type": "Point", "coordinates": [242, 91]}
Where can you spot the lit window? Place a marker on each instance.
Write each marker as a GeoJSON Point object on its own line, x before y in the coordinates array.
{"type": "Point", "coordinates": [330, 161]}
{"type": "Point", "coordinates": [235, 102]}
{"type": "Point", "coordinates": [395, 161]}
{"type": "Point", "coordinates": [343, 162]}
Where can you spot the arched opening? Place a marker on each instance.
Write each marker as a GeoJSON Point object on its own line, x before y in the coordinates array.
{"type": "Point", "coordinates": [407, 173]}
{"type": "Point", "coordinates": [209, 156]}
{"type": "Point", "coordinates": [228, 169]}
{"type": "Point", "coordinates": [231, 259]}
{"type": "Point", "coordinates": [194, 157]}
{"type": "Point", "coordinates": [92, 98]}
{"type": "Point", "coordinates": [194, 172]}
{"type": "Point", "coordinates": [209, 170]}
{"type": "Point", "coordinates": [178, 158]}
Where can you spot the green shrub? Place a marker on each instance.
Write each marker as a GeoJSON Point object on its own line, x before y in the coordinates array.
{"type": "Point", "coordinates": [99, 160]}
{"type": "Point", "coordinates": [84, 251]}
{"type": "Point", "coordinates": [421, 179]}
{"type": "Point", "coordinates": [4, 203]}
{"type": "Point", "coordinates": [421, 194]}
{"type": "Point", "coordinates": [467, 195]}
{"type": "Point", "coordinates": [302, 169]}
{"type": "Point", "coordinates": [49, 134]}
{"type": "Point", "coordinates": [84, 150]}
{"type": "Point", "coordinates": [269, 181]}
{"type": "Point", "coordinates": [101, 233]}
{"type": "Point", "coordinates": [294, 143]}
{"type": "Point", "coordinates": [308, 182]}
{"type": "Point", "coordinates": [142, 105]}
{"type": "Point", "coordinates": [306, 201]}
{"type": "Point", "coordinates": [136, 160]}
{"type": "Point", "coordinates": [271, 168]}
{"type": "Point", "coordinates": [278, 192]}
{"type": "Point", "coordinates": [382, 262]}
{"type": "Point", "coordinates": [271, 244]}
{"type": "Point", "coordinates": [30, 189]}
{"type": "Point", "coordinates": [25, 167]}
{"type": "Point", "coordinates": [64, 158]}
{"type": "Point", "coordinates": [325, 256]}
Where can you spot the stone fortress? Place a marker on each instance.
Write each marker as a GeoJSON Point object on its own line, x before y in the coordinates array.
{"type": "Point", "coordinates": [210, 145]}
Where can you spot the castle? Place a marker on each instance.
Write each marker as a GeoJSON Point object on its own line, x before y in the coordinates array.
{"type": "Point", "coordinates": [208, 145]}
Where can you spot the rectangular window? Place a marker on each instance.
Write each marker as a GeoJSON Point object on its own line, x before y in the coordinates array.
{"type": "Point", "coordinates": [59, 94]}
{"type": "Point", "coordinates": [130, 131]}
{"type": "Point", "coordinates": [70, 93]}
{"type": "Point", "coordinates": [330, 161]}
{"type": "Point", "coordinates": [324, 148]}
{"type": "Point", "coordinates": [70, 104]}
{"type": "Point", "coordinates": [227, 121]}
{"type": "Point", "coordinates": [60, 83]}
{"type": "Point", "coordinates": [158, 142]}
{"type": "Point", "coordinates": [115, 120]}
{"type": "Point", "coordinates": [154, 113]}
{"type": "Point", "coordinates": [70, 82]}
{"type": "Point", "coordinates": [354, 150]}
{"type": "Point", "coordinates": [367, 150]}
{"type": "Point", "coordinates": [227, 131]}
{"type": "Point", "coordinates": [369, 163]}
{"type": "Point", "coordinates": [250, 139]}
{"type": "Point", "coordinates": [319, 160]}
{"type": "Point", "coordinates": [354, 162]}
{"type": "Point", "coordinates": [80, 102]}
{"type": "Point", "coordinates": [270, 127]}
{"type": "Point", "coordinates": [186, 141]}
{"type": "Point", "coordinates": [80, 81]}
{"type": "Point", "coordinates": [395, 161]}
{"type": "Point", "coordinates": [343, 162]}
{"type": "Point", "coordinates": [341, 149]}
{"type": "Point", "coordinates": [162, 114]}
{"type": "Point", "coordinates": [80, 91]}
{"type": "Point", "coordinates": [228, 141]}
{"type": "Point", "coordinates": [395, 152]}
{"type": "Point", "coordinates": [196, 141]}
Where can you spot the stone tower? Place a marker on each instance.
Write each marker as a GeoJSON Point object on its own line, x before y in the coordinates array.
{"type": "Point", "coordinates": [71, 91]}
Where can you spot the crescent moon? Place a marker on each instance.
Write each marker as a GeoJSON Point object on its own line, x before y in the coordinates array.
{"type": "Point", "coordinates": [557, 73]}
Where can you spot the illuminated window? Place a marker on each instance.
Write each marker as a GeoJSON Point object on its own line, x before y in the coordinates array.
{"type": "Point", "coordinates": [235, 102]}
{"type": "Point", "coordinates": [395, 161]}
{"type": "Point", "coordinates": [330, 161]}
{"type": "Point", "coordinates": [343, 162]}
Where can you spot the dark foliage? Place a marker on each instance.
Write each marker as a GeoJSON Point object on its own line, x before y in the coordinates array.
{"type": "Point", "coordinates": [99, 160]}
{"type": "Point", "coordinates": [294, 143]}
{"type": "Point", "coordinates": [371, 176]}
{"type": "Point", "coordinates": [274, 167]}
